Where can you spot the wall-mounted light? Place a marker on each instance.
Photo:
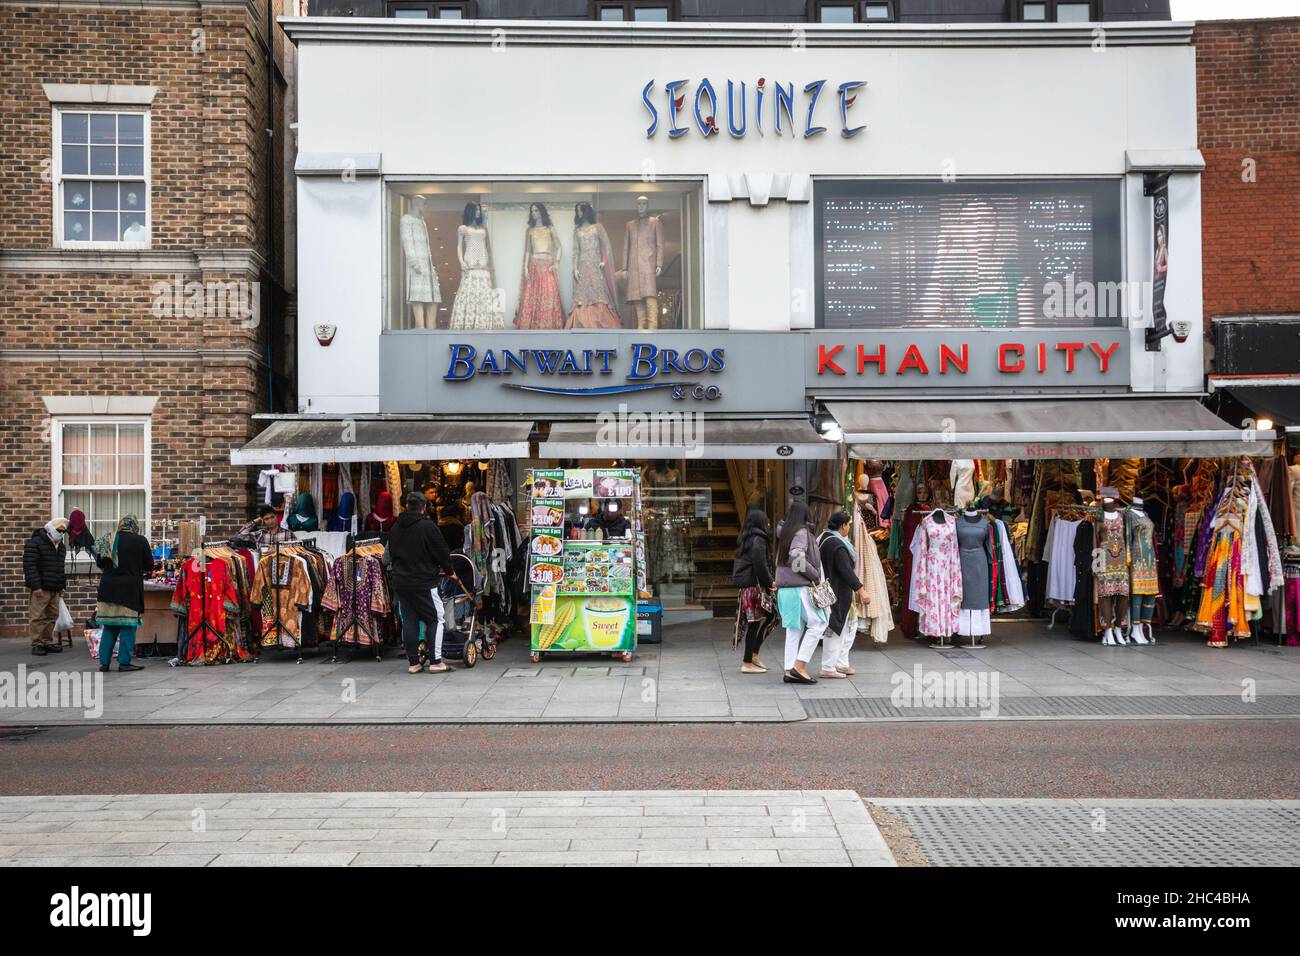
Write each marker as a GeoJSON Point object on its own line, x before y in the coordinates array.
{"type": "Point", "coordinates": [451, 468]}
{"type": "Point", "coordinates": [1264, 425]}
{"type": "Point", "coordinates": [482, 466]}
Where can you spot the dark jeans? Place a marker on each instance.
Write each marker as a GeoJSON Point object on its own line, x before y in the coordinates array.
{"type": "Point", "coordinates": [755, 633]}
{"type": "Point", "coordinates": [421, 605]}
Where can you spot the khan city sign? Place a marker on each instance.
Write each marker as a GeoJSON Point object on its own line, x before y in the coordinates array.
{"type": "Point", "coordinates": [781, 96]}
{"type": "Point", "coordinates": [754, 373]}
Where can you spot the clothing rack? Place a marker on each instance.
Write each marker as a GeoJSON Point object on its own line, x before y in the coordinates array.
{"type": "Point", "coordinates": [353, 551]}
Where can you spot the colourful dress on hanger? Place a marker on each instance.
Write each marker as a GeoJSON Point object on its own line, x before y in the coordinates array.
{"type": "Point", "coordinates": [936, 591]}
{"type": "Point", "coordinates": [357, 595]}
{"type": "Point", "coordinates": [476, 305]}
{"type": "Point", "coordinates": [204, 596]}
{"type": "Point", "coordinates": [282, 589]}
{"type": "Point", "coordinates": [1111, 574]}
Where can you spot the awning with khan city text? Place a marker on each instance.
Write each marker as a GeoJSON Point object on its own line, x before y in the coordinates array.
{"type": "Point", "coordinates": [1129, 427]}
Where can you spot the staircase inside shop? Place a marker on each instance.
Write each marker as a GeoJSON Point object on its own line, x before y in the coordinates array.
{"type": "Point", "coordinates": [713, 538]}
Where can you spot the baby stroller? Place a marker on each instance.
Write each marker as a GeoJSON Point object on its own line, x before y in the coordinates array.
{"type": "Point", "coordinates": [462, 635]}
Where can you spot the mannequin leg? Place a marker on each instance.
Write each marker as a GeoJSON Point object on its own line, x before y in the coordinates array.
{"type": "Point", "coordinates": [647, 314]}
{"type": "Point", "coordinates": [1106, 618]}
{"type": "Point", "coordinates": [417, 315]}
{"type": "Point", "coordinates": [1121, 617]}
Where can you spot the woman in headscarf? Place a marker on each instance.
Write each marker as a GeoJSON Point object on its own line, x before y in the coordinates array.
{"type": "Point", "coordinates": [303, 516]}
{"type": "Point", "coordinates": [342, 520]}
{"type": "Point", "coordinates": [382, 518]}
{"type": "Point", "coordinates": [126, 559]}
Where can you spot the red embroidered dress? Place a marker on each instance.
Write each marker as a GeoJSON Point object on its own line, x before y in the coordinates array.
{"type": "Point", "coordinates": [205, 597]}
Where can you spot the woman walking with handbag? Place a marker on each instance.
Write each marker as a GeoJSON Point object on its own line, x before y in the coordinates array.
{"type": "Point", "coordinates": [126, 559]}
{"type": "Point", "coordinates": [801, 593]}
{"type": "Point", "coordinates": [839, 560]}
{"type": "Point", "coordinates": [752, 573]}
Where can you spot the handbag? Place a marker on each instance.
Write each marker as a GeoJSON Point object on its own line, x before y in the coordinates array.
{"type": "Point", "coordinates": [823, 594]}
{"type": "Point", "coordinates": [93, 636]}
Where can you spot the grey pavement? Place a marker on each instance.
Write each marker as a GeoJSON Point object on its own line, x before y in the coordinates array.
{"type": "Point", "coordinates": [693, 676]}
{"type": "Point", "coordinates": [565, 828]}
{"type": "Point", "coordinates": [1101, 832]}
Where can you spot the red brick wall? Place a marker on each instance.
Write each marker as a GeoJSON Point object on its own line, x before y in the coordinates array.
{"type": "Point", "coordinates": [209, 181]}
{"type": "Point", "coordinates": [1248, 108]}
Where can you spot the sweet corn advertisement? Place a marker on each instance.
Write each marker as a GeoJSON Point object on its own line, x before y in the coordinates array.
{"type": "Point", "coordinates": [589, 623]}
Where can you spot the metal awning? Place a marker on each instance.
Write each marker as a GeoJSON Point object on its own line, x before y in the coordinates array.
{"type": "Point", "coordinates": [326, 440]}
{"type": "Point", "coordinates": [686, 435]}
{"type": "Point", "coordinates": [1274, 396]}
{"type": "Point", "coordinates": [1025, 429]}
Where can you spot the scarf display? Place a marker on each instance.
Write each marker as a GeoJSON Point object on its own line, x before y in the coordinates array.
{"type": "Point", "coordinates": [303, 517]}
{"type": "Point", "coordinates": [342, 520]}
{"type": "Point", "coordinates": [382, 518]}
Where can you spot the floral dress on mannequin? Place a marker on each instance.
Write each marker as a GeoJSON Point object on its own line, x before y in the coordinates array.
{"type": "Point", "coordinates": [476, 300]}
{"type": "Point", "coordinates": [936, 593]}
{"type": "Point", "coordinates": [539, 298]}
{"type": "Point", "coordinates": [593, 281]}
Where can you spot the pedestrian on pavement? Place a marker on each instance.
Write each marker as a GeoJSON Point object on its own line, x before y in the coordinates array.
{"type": "Point", "coordinates": [126, 558]}
{"type": "Point", "coordinates": [840, 562]}
{"type": "Point", "coordinates": [418, 557]}
{"type": "Point", "coordinates": [265, 530]}
{"type": "Point", "coordinates": [752, 573]}
{"type": "Point", "coordinates": [798, 568]}
{"type": "Point", "coordinates": [46, 575]}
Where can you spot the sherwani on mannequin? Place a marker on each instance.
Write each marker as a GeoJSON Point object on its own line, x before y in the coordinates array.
{"type": "Point", "coordinates": [422, 290]}
{"type": "Point", "coordinates": [643, 261]}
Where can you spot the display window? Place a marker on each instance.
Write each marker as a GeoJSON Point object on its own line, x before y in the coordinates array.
{"type": "Point", "coordinates": [970, 254]}
{"type": "Point", "coordinates": [497, 256]}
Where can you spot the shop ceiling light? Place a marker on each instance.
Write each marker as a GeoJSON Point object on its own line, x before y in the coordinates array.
{"type": "Point", "coordinates": [1264, 425]}
{"type": "Point", "coordinates": [452, 468]}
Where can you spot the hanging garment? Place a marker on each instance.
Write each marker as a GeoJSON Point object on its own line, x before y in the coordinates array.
{"type": "Point", "coordinates": [976, 559]}
{"type": "Point", "coordinates": [594, 299]}
{"type": "Point", "coordinates": [205, 595]}
{"type": "Point", "coordinates": [1012, 587]}
{"type": "Point", "coordinates": [476, 305]}
{"type": "Point", "coordinates": [359, 597]}
{"type": "Point", "coordinates": [1083, 616]}
{"type": "Point", "coordinates": [281, 589]}
{"type": "Point", "coordinates": [906, 615]}
{"type": "Point", "coordinates": [1059, 554]}
{"type": "Point", "coordinates": [962, 478]}
{"type": "Point", "coordinates": [935, 592]}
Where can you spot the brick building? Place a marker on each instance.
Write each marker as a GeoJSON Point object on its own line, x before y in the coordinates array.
{"type": "Point", "coordinates": [142, 274]}
{"type": "Point", "coordinates": [1248, 120]}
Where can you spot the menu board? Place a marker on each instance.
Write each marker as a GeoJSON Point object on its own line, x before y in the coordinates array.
{"type": "Point", "coordinates": [584, 591]}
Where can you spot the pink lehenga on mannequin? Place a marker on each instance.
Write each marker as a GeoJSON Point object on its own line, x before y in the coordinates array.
{"type": "Point", "coordinates": [594, 297]}
{"type": "Point", "coordinates": [539, 298]}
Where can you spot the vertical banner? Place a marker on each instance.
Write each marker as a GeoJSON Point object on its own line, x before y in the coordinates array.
{"type": "Point", "coordinates": [1156, 185]}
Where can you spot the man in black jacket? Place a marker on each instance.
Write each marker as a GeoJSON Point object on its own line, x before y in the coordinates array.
{"type": "Point", "coordinates": [418, 555]}
{"type": "Point", "coordinates": [46, 576]}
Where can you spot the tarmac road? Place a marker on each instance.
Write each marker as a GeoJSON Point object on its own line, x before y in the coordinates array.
{"type": "Point", "coordinates": [1187, 759]}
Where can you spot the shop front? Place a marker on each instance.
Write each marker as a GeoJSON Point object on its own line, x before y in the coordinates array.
{"type": "Point", "coordinates": [747, 272]}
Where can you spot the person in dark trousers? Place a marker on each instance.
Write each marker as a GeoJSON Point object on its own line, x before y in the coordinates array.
{"type": "Point", "coordinates": [840, 563]}
{"type": "Point", "coordinates": [752, 573]}
{"type": "Point", "coordinates": [45, 574]}
{"type": "Point", "coordinates": [126, 558]}
{"type": "Point", "coordinates": [418, 556]}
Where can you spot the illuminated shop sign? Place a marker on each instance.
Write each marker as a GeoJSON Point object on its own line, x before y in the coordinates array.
{"type": "Point", "coordinates": [778, 107]}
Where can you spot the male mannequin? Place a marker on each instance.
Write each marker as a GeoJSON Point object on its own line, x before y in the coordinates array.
{"type": "Point", "coordinates": [643, 261]}
{"type": "Point", "coordinates": [422, 290]}
{"type": "Point", "coordinates": [1144, 580]}
{"type": "Point", "coordinates": [1111, 571]}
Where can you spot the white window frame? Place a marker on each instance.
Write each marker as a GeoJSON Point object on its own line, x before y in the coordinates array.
{"type": "Point", "coordinates": [56, 463]}
{"type": "Point", "coordinates": [56, 176]}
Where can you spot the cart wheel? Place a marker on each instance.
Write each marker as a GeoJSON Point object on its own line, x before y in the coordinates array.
{"type": "Point", "coordinates": [489, 650]}
{"type": "Point", "coordinates": [625, 657]}
{"type": "Point", "coordinates": [471, 653]}
{"type": "Point", "coordinates": [535, 657]}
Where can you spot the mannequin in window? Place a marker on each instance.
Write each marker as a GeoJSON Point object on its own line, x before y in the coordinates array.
{"type": "Point", "coordinates": [665, 519]}
{"type": "Point", "coordinates": [539, 296]}
{"type": "Point", "coordinates": [477, 304]}
{"type": "Point", "coordinates": [643, 262]}
{"type": "Point", "coordinates": [594, 298]}
{"type": "Point", "coordinates": [1293, 473]}
{"type": "Point", "coordinates": [962, 478]}
{"type": "Point", "coordinates": [1144, 577]}
{"type": "Point", "coordinates": [422, 292]}
{"type": "Point", "coordinates": [1111, 571]}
